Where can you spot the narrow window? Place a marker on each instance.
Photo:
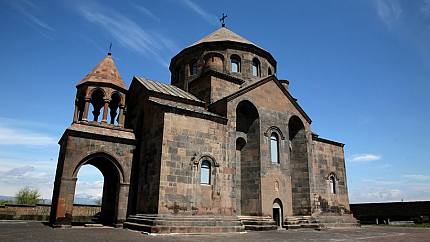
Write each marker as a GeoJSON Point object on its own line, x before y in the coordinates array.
{"type": "Point", "coordinates": [269, 71]}
{"type": "Point", "coordinates": [332, 185]}
{"type": "Point", "coordinates": [255, 67]}
{"type": "Point", "coordinates": [205, 172]}
{"type": "Point", "coordinates": [274, 147]}
{"type": "Point", "coordinates": [235, 64]}
{"type": "Point", "coordinates": [193, 68]}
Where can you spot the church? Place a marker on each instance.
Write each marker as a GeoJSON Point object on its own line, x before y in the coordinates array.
{"type": "Point", "coordinates": [224, 148]}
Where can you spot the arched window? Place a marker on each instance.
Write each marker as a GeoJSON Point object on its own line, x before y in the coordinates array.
{"type": "Point", "coordinates": [235, 63]}
{"type": "Point", "coordinates": [274, 148]}
{"type": "Point", "coordinates": [332, 181]}
{"type": "Point", "coordinates": [114, 108]}
{"type": "Point", "coordinates": [205, 172]}
{"type": "Point", "coordinates": [269, 71]}
{"type": "Point", "coordinates": [255, 67]}
{"type": "Point", "coordinates": [97, 103]}
{"type": "Point", "coordinates": [193, 68]}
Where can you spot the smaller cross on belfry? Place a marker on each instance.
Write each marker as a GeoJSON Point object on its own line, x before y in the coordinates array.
{"type": "Point", "coordinates": [222, 19]}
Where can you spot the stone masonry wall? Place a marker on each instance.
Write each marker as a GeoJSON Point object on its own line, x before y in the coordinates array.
{"type": "Point", "coordinates": [329, 159]}
{"type": "Point", "coordinates": [41, 212]}
{"type": "Point", "coordinates": [274, 111]}
{"type": "Point", "coordinates": [150, 156]}
{"type": "Point", "coordinates": [186, 141]}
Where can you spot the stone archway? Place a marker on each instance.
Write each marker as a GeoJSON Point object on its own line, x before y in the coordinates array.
{"type": "Point", "coordinates": [248, 152]}
{"type": "Point", "coordinates": [112, 176]}
{"type": "Point", "coordinates": [115, 190]}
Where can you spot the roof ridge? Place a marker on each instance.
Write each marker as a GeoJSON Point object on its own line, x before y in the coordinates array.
{"type": "Point", "coordinates": [168, 89]}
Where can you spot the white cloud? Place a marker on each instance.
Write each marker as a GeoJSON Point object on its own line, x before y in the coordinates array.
{"type": "Point", "coordinates": [416, 177]}
{"type": "Point", "coordinates": [146, 11]}
{"type": "Point", "coordinates": [389, 11]}
{"type": "Point", "coordinates": [210, 18]}
{"type": "Point", "coordinates": [128, 33]}
{"type": "Point", "coordinates": [376, 195]}
{"type": "Point", "coordinates": [28, 10]}
{"type": "Point", "coordinates": [410, 187]}
{"type": "Point", "coordinates": [26, 176]}
{"type": "Point", "coordinates": [16, 136]}
{"type": "Point", "coordinates": [365, 157]}
{"type": "Point", "coordinates": [89, 189]}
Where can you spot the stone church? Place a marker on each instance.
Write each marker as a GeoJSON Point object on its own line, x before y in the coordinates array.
{"type": "Point", "coordinates": [224, 148]}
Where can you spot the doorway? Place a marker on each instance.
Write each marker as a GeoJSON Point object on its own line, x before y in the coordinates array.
{"type": "Point", "coordinates": [277, 213]}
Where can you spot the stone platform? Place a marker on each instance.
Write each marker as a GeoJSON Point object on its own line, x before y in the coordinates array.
{"type": "Point", "coordinates": [321, 222]}
{"type": "Point", "coordinates": [164, 224]}
{"type": "Point", "coordinates": [258, 223]}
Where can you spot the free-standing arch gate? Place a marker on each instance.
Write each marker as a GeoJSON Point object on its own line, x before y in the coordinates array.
{"type": "Point", "coordinates": [114, 160]}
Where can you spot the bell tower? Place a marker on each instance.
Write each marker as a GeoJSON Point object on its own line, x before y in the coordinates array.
{"type": "Point", "coordinates": [96, 137]}
{"type": "Point", "coordinates": [103, 91]}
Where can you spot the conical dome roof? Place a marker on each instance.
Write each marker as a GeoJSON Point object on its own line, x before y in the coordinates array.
{"type": "Point", "coordinates": [105, 72]}
{"type": "Point", "coordinates": [223, 34]}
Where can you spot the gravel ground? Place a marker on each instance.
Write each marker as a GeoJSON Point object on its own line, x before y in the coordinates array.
{"type": "Point", "coordinates": [11, 231]}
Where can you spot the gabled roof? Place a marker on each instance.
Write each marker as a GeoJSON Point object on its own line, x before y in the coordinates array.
{"type": "Point", "coordinates": [166, 89]}
{"type": "Point", "coordinates": [223, 34]}
{"type": "Point", "coordinates": [105, 72]}
{"type": "Point", "coordinates": [253, 85]}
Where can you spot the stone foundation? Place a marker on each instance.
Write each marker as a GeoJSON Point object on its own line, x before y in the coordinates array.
{"type": "Point", "coordinates": [164, 224]}
{"type": "Point", "coordinates": [258, 223]}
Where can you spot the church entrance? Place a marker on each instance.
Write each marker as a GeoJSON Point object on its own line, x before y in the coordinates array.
{"type": "Point", "coordinates": [277, 213]}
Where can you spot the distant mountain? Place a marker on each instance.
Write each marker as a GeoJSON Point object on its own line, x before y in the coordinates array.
{"type": "Point", "coordinates": [86, 199]}
{"type": "Point", "coordinates": [79, 199]}
{"type": "Point", "coordinates": [7, 198]}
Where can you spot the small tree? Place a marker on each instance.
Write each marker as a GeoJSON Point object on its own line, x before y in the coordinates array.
{"type": "Point", "coordinates": [28, 196]}
{"type": "Point", "coordinates": [3, 202]}
{"type": "Point", "coordinates": [98, 201]}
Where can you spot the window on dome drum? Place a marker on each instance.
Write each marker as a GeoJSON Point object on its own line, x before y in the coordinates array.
{"type": "Point", "coordinates": [193, 68]}
{"type": "Point", "coordinates": [274, 148]}
{"type": "Point", "coordinates": [255, 67]}
{"type": "Point", "coordinates": [235, 64]}
{"type": "Point", "coordinates": [269, 71]}
{"type": "Point", "coordinates": [332, 184]}
{"type": "Point", "coordinates": [205, 172]}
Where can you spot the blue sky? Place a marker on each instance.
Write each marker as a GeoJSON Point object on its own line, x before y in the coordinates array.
{"type": "Point", "coordinates": [360, 69]}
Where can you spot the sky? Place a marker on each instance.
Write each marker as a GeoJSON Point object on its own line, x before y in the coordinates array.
{"type": "Point", "coordinates": [360, 69]}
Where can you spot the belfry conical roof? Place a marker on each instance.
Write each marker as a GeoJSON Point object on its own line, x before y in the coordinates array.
{"type": "Point", "coordinates": [223, 34]}
{"type": "Point", "coordinates": [105, 72]}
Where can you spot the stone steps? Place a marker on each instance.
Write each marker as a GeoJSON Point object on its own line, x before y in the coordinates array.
{"type": "Point", "coordinates": [258, 223]}
{"type": "Point", "coordinates": [162, 223]}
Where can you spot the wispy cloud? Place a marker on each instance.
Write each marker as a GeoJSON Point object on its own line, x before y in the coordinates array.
{"type": "Point", "coordinates": [365, 157]}
{"type": "Point", "coordinates": [210, 18]}
{"type": "Point", "coordinates": [146, 12]}
{"type": "Point", "coordinates": [12, 136]}
{"type": "Point", "coordinates": [389, 11]}
{"type": "Point", "coordinates": [127, 32]}
{"type": "Point", "coordinates": [408, 187]}
{"type": "Point", "coordinates": [376, 194]}
{"type": "Point", "coordinates": [29, 10]}
{"type": "Point", "coordinates": [417, 177]}
{"type": "Point", "coordinates": [26, 176]}
{"type": "Point", "coordinates": [425, 7]}
{"type": "Point", "coordinates": [90, 189]}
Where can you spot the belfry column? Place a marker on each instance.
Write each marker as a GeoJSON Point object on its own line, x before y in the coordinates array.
{"type": "Point", "coordinates": [121, 116]}
{"type": "Point", "coordinates": [76, 113]}
{"type": "Point", "coordinates": [105, 111]}
{"type": "Point", "coordinates": [87, 106]}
